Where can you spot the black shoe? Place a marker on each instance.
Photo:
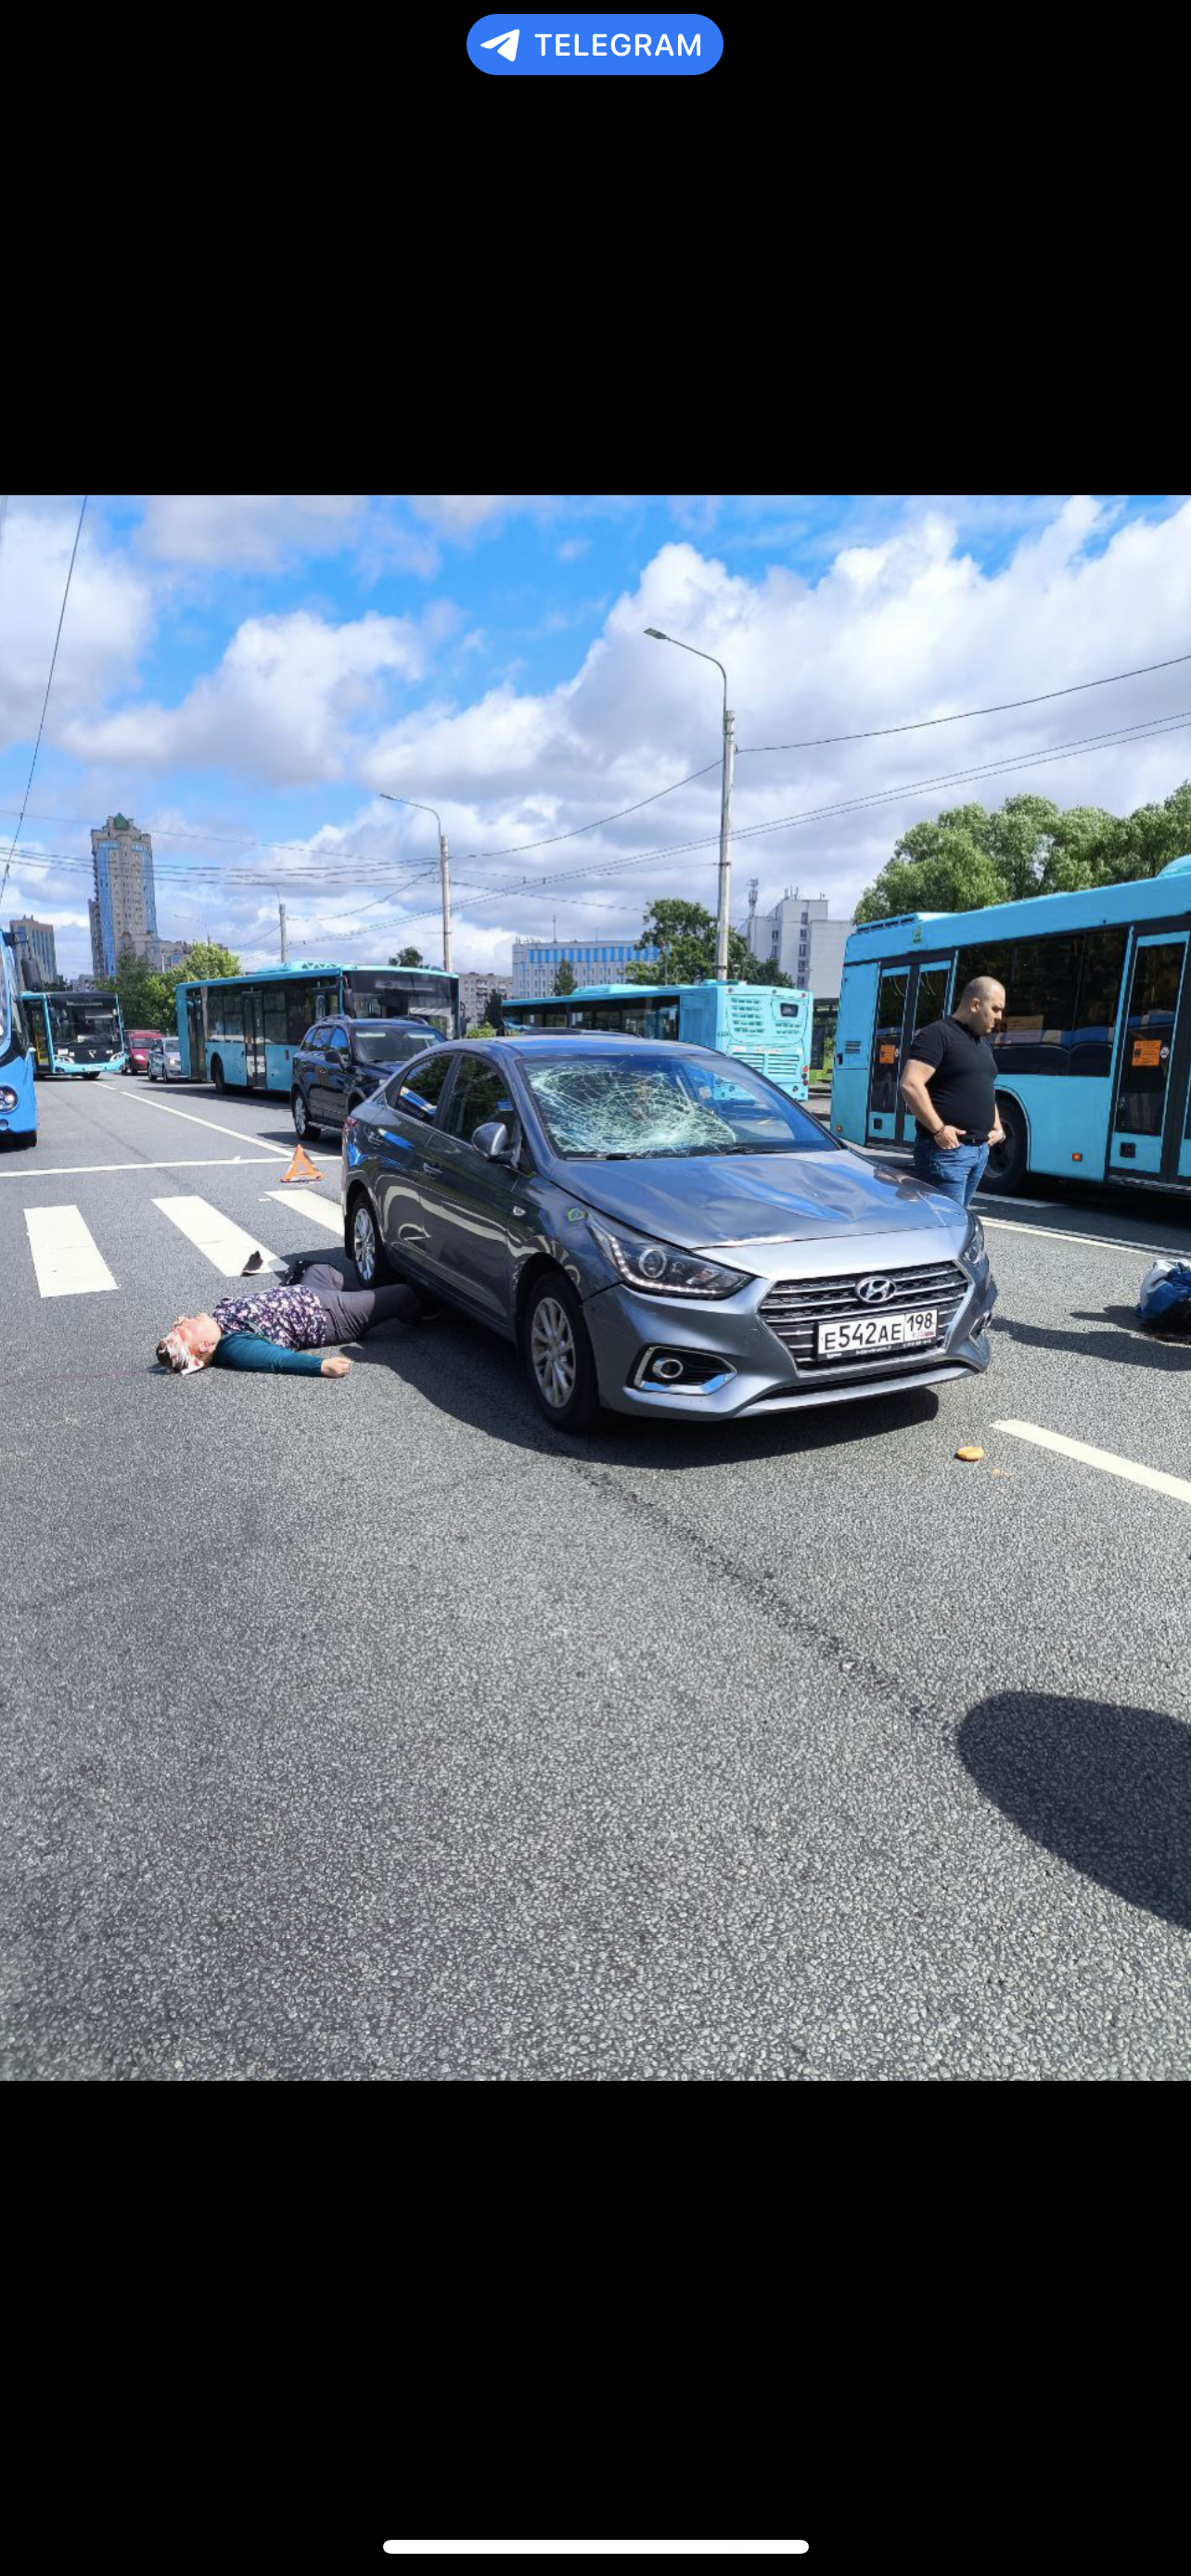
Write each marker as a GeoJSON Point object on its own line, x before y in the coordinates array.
{"type": "Point", "coordinates": [255, 1261]}
{"type": "Point", "coordinates": [297, 1263]}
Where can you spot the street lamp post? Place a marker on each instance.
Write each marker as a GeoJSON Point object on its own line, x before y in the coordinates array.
{"type": "Point", "coordinates": [721, 929]}
{"type": "Point", "coordinates": [444, 868]}
{"type": "Point", "coordinates": [281, 918]}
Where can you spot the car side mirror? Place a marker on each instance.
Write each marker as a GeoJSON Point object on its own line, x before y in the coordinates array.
{"type": "Point", "coordinates": [492, 1141]}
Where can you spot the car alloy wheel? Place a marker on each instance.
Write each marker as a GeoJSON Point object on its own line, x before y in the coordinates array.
{"type": "Point", "coordinates": [552, 1353]}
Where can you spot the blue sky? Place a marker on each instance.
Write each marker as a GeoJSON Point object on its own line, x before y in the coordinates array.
{"type": "Point", "coordinates": [243, 674]}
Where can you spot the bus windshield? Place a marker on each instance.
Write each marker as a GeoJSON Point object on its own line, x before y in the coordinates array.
{"type": "Point", "coordinates": [640, 1106]}
{"type": "Point", "coordinates": [84, 1032]}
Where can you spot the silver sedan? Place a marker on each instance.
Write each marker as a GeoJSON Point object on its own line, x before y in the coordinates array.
{"type": "Point", "coordinates": [659, 1230]}
{"type": "Point", "coordinates": [165, 1060]}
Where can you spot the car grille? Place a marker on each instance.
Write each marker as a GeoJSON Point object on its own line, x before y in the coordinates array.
{"type": "Point", "coordinates": [794, 1307]}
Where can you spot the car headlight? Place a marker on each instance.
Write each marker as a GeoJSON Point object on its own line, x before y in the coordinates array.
{"type": "Point", "coordinates": [657, 1271]}
{"type": "Point", "coordinates": [974, 1246]}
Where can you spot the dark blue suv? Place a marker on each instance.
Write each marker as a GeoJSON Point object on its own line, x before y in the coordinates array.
{"type": "Point", "coordinates": [340, 1061]}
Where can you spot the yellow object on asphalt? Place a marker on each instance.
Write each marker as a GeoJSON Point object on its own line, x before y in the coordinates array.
{"type": "Point", "coordinates": [969, 1453]}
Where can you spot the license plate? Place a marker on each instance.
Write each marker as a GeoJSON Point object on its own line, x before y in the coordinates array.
{"type": "Point", "coordinates": [877, 1333]}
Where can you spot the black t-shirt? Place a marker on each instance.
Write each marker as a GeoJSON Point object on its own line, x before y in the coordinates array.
{"type": "Point", "coordinates": [963, 1090]}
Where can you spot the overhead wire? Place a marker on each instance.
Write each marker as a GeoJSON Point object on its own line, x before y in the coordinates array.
{"type": "Point", "coordinates": [46, 700]}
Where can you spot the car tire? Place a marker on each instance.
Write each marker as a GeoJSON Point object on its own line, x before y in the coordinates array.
{"type": "Point", "coordinates": [558, 1355]}
{"type": "Point", "coordinates": [1008, 1163]}
{"type": "Point", "coordinates": [303, 1123]}
{"type": "Point", "coordinates": [217, 1075]}
{"type": "Point", "coordinates": [373, 1266]}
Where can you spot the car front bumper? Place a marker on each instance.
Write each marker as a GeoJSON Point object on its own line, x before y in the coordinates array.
{"type": "Point", "coordinates": [753, 1370]}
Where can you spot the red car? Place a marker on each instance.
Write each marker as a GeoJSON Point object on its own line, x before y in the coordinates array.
{"type": "Point", "coordinates": [137, 1043]}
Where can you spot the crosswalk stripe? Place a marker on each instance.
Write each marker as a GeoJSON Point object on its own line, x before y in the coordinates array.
{"type": "Point", "coordinates": [320, 1211]}
{"type": "Point", "coordinates": [226, 1246]}
{"type": "Point", "coordinates": [66, 1257]}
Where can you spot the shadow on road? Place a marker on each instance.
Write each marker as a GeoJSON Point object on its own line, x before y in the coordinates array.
{"type": "Point", "coordinates": [1107, 1789]}
{"type": "Point", "coordinates": [1127, 1340]}
{"type": "Point", "coordinates": [472, 1375]}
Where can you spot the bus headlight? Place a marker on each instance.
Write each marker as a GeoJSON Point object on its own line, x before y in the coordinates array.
{"type": "Point", "coordinates": [8, 1099]}
{"type": "Point", "coordinates": [655, 1270]}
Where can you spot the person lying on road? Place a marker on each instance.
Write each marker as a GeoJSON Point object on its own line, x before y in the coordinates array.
{"type": "Point", "coordinates": [288, 1327]}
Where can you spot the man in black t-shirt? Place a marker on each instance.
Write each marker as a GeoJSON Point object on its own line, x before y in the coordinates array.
{"type": "Point", "coordinates": [950, 1083]}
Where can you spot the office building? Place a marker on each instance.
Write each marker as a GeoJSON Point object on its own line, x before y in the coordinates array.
{"type": "Point", "coordinates": [124, 906]}
{"type": "Point", "coordinates": [592, 961]}
{"type": "Point", "coordinates": [798, 936]}
{"type": "Point", "coordinates": [33, 944]}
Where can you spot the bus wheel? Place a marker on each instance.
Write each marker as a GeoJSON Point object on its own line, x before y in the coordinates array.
{"type": "Point", "coordinates": [217, 1073]}
{"type": "Point", "coordinates": [1006, 1168]}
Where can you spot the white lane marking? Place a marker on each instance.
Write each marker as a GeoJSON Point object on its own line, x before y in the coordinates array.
{"type": "Point", "coordinates": [1107, 1242]}
{"type": "Point", "coordinates": [1105, 1459]}
{"type": "Point", "coordinates": [596, 2548]}
{"type": "Point", "coordinates": [1005, 1198]}
{"type": "Point", "coordinates": [66, 1257]}
{"type": "Point", "coordinates": [319, 1211]}
{"type": "Point", "coordinates": [261, 1142]}
{"type": "Point", "coordinates": [172, 1163]}
{"type": "Point", "coordinates": [226, 1245]}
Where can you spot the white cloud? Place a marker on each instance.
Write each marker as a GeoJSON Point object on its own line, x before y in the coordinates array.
{"type": "Point", "coordinates": [282, 704]}
{"type": "Point", "coordinates": [902, 623]}
{"type": "Point", "coordinates": [246, 528]}
{"type": "Point", "coordinates": [107, 626]}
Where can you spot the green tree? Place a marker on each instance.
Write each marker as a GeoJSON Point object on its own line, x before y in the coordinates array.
{"type": "Point", "coordinates": [564, 981]}
{"type": "Point", "coordinates": [146, 997]}
{"type": "Point", "coordinates": [204, 958]}
{"type": "Point", "coordinates": [483, 1029]}
{"type": "Point", "coordinates": [968, 858]}
{"type": "Point", "coordinates": [494, 1018]}
{"type": "Point", "coordinates": [408, 957]}
{"type": "Point", "coordinates": [684, 935]}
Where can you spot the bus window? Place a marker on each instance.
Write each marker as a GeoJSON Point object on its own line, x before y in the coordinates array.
{"type": "Point", "coordinates": [931, 995]}
{"type": "Point", "coordinates": [1099, 1002]}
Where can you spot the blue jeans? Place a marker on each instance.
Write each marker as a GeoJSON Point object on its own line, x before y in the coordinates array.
{"type": "Point", "coordinates": [959, 1173]}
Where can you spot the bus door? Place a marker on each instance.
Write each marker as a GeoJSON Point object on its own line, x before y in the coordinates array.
{"type": "Point", "coordinates": [1146, 1118]}
{"type": "Point", "coordinates": [196, 1036]}
{"type": "Point", "coordinates": [254, 1038]}
{"type": "Point", "coordinates": [909, 997]}
{"type": "Point", "coordinates": [884, 1105]}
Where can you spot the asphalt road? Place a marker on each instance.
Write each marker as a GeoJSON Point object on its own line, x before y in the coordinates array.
{"type": "Point", "coordinates": [365, 1728]}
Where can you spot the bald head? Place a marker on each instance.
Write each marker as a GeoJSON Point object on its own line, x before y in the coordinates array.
{"type": "Point", "coordinates": [981, 1004]}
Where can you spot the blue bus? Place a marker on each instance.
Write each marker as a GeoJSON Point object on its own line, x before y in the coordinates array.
{"type": "Point", "coordinates": [767, 1025]}
{"type": "Point", "coordinates": [1094, 1059]}
{"type": "Point", "coordinates": [75, 1033]}
{"type": "Point", "coordinates": [244, 1030]}
{"type": "Point", "coordinates": [18, 1099]}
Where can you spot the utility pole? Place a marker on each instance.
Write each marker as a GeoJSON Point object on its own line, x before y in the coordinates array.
{"type": "Point", "coordinates": [444, 867]}
{"type": "Point", "coordinates": [284, 947]}
{"type": "Point", "coordinates": [721, 931]}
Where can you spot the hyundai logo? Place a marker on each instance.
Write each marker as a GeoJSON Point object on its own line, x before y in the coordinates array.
{"type": "Point", "coordinates": [875, 1292]}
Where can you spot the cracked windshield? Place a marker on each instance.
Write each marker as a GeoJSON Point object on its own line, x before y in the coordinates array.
{"type": "Point", "coordinates": [663, 1105]}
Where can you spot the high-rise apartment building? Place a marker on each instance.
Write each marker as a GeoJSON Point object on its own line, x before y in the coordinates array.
{"type": "Point", "coordinates": [123, 909]}
{"type": "Point", "coordinates": [798, 936]}
{"type": "Point", "coordinates": [33, 942]}
{"type": "Point", "coordinates": [475, 989]}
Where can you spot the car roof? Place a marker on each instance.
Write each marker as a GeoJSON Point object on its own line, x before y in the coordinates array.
{"type": "Point", "coordinates": [573, 1042]}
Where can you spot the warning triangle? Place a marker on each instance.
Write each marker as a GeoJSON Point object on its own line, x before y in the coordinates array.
{"type": "Point", "coordinates": [301, 1168]}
